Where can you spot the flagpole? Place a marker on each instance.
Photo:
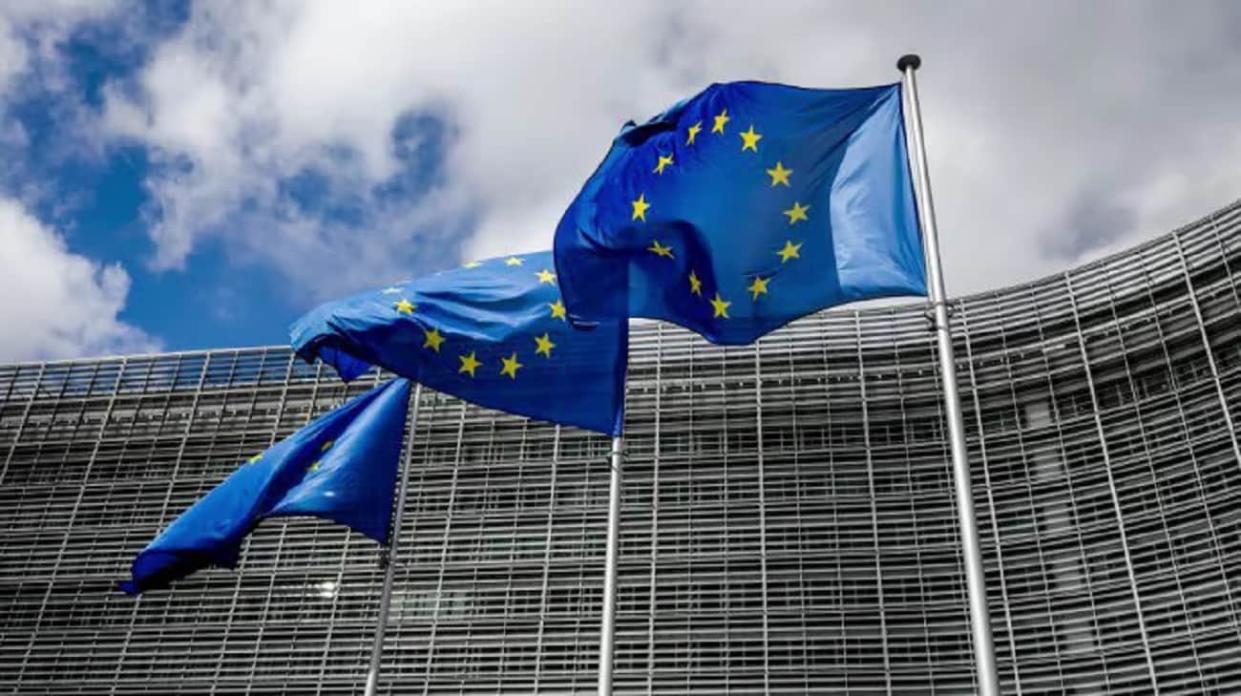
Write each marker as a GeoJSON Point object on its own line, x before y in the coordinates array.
{"type": "Point", "coordinates": [389, 553]}
{"type": "Point", "coordinates": [607, 631]}
{"type": "Point", "coordinates": [975, 579]}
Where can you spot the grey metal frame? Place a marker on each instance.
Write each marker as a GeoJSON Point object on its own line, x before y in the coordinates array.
{"type": "Point", "coordinates": [788, 511]}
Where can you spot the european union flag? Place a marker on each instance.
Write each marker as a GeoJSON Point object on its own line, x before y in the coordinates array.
{"type": "Point", "coordinates": [743, 208]}
{"type": "Point", "coordinates": [341, 467]}
{"type": "Point", "coordinates": [494, 332]}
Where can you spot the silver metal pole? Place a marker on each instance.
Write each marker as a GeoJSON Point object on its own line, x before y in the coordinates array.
{"type": "Point", "coordinates": [975, 579]}
{"type": "Point", "coordinates": [607, 631]}
{"type": "Point", "coordinates": [385, 600]}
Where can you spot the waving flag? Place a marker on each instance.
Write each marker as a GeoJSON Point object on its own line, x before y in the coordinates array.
{"type": "Point", "coordinates": [743, 208]}
{"type": "Point", "coordinates": [492, 332]}
{"type": "Point", "coordinates": [341, 467]}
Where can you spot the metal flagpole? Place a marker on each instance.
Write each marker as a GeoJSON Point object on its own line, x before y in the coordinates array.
{"type": "Point", "coordinates": [975, 580]}
{"type": "Point", "coordinates": [389, 554]}
{"type": "Point", "coordinates": [607, 631]}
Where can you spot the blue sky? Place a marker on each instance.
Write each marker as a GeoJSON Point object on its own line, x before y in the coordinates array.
{"type": "Point", "coordinates": [179, 175]}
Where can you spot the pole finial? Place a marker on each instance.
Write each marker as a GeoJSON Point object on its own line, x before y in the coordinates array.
{"type": "Point", "coordinates": [909, 60]}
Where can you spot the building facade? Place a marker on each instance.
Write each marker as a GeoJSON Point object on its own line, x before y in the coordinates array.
{"type": "Point", "coordinates": [788, 521]}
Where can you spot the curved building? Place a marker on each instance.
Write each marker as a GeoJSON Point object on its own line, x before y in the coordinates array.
{"type": "Point", "coordinates": [788, 511]}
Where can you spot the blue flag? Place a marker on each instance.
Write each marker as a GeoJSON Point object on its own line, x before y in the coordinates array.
{"type": "Point", "coordinates": [743, 208]}
{"type": "Point", "coordinates": [494, 332]}
{"type": "Point", "coordinates": [341, 467]}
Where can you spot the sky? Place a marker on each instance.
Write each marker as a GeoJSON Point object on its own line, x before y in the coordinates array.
{"type": "Point", "coordinates": [179, 175]}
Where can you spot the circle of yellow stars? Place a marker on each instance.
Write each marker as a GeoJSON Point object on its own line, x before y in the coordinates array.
{"type": "Point", "coordinates": [779, 174]}
{"type": "Point", "coordinates": [469, 363]}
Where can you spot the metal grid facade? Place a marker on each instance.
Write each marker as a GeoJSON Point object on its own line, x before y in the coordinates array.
{"type": "Point", "coordinates": [788, 513]}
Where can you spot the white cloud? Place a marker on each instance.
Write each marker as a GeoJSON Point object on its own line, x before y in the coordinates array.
{"type": "Point", "coordinates": [1028, 108]}
{"type": "Point", "coordinates": [39, 25]}
{"type": "Point", "coordinates": [248, 95]}
{"type": "Point", "coordinates": [53, 303]}
{"type": "Point", "coordinates": [56, 304]}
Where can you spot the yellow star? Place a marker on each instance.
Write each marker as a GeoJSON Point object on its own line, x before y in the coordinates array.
{"type": "Point", "coordinates": [695, 285]}
{"type": "Point", "coordinates": [546, 276]}
{"type": "Point", "coordinates": [254, 459]}
{"type": "Point", "coordinates": [720, 306]}
{"type": "Point", "coordinates": [659, 249]}
{"type": "Point", "coordinates": [314, 467]}
{"type": "Point", "coordinates": [557, 310]}
{"type": "Point", "coordinates": [640, 207]}
{"type": "Point", "coordinates": [720, 120]}
{"type": "Point", "coordinates": [749, 139]}
{"type": "Point", "coordinates": [665, 161]}
{"type": "Point", "coordinates": [473, 264]}
{"type": "Point", "coordinates": [469, 363]}
{"type": "Point", "coordinates": [543, 345]}
{"type": "Point", "coordinates": [327, 445]}
{"type": "Point", "coordinates": [435, 339]}
{"type": "Point", "coordinates": [797, 212]}
{"type": "Point", "coordinates": [405, 306]}
{"type": "Point", "coordinates": [694, 130]}
{"type": "Point", "coordinates": [779, 175]}
{"type": "Point", "coordinates": [513, 261]}
{"type": "Point", "coordinates": [790, 251]}
{"type": "Point", "coordinates": [759, 286]}
{"type": "Point", "coordinates": [511, 366]}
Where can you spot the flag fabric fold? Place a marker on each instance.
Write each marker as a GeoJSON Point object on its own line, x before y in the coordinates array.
{"type": "Point", "coordinates": [743, 208]}
{"type": "Point", "coordinates": [341, 467]}
{"type": "Point", "coordinates": [493, 332]}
